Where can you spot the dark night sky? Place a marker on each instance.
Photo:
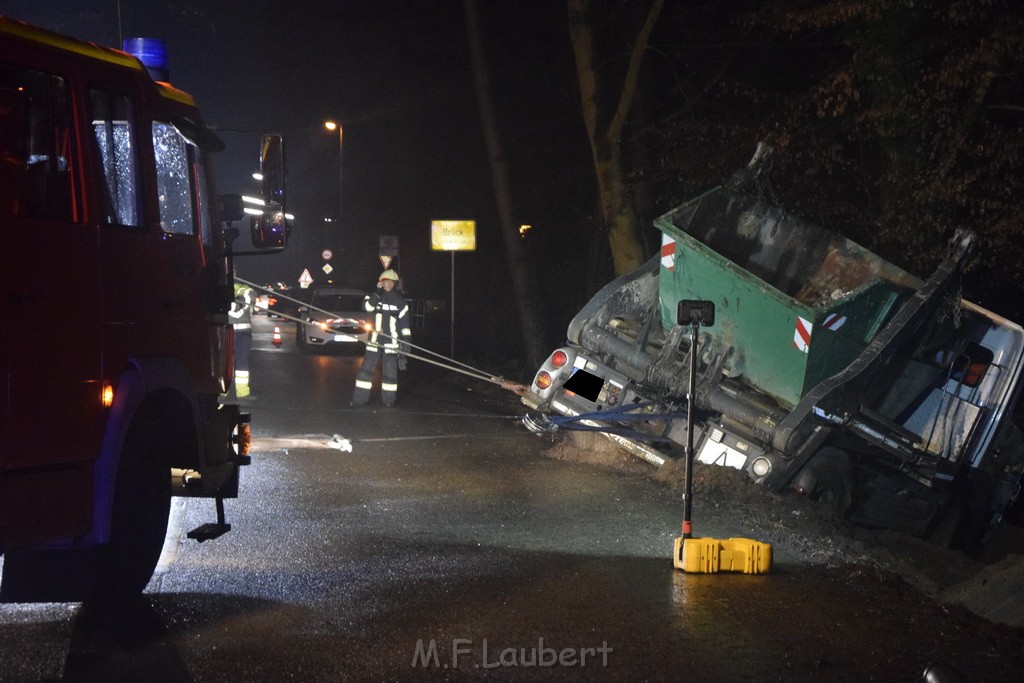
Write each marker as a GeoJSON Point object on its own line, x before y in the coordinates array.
{"type": "Point", "coordinates": [397, 73]}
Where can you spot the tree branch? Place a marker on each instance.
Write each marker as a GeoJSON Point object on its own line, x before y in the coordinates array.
{"type": "Point", "coordinates": [632, 72]}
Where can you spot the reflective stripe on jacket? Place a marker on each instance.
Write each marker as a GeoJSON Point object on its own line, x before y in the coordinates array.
{"type": "Point", "coordinates": [390, 319]}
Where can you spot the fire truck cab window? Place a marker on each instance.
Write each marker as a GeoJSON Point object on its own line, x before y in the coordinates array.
{"type": "Point", "coordinates": [35, 141]}
{"type": "Point", "coordinates": [175, 179]}
{"type": "Point", "coordinates": [112, 126]}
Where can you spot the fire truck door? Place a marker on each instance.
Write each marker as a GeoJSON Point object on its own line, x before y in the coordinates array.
{"type": "Point", "coordinates": [184, 205]}
{"type": "Point", "coordinates": [51, 326]}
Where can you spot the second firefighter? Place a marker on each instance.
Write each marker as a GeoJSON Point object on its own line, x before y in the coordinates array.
{"type": "Point", "coordinates": [390, 329]}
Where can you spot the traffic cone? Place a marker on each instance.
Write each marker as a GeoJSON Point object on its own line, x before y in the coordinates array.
{"type": "Point", "coordinates": [277, 335]}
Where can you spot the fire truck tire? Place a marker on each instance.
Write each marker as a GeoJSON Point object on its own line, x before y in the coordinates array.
{"type": "Point", "coordinates": [142, 497]}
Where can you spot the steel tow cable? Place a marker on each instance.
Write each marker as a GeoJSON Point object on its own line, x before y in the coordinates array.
{"type": "Point", "coordinates": [570, 423]}
{"type": "Point", "coordinates": [438, 359]}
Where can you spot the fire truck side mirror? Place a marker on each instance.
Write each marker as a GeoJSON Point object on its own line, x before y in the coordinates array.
{"type": "Point", "coordinates": [272, 169]}
{"type": "Point", "coordinates": [270, 230]}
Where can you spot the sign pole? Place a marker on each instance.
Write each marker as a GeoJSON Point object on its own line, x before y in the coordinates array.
{"type": "Point", "coordinates": [452, 314]}
{"type": "Point", "coordinates": [452, 236]}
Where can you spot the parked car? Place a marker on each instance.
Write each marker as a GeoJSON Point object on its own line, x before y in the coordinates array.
{"type": "Point", "coordinates": [284, 301]}
{"type": "Point", "coordinates": [334, 318]}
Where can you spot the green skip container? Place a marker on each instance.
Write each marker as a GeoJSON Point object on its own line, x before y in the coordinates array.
{"type": "Point", "coordinates": [795, 303]}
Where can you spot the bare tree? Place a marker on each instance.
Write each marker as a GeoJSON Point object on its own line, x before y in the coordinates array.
{"type": "Point", "coordinates": [606, 106]}
{"type": "Point", "coordinates": [518, 267]}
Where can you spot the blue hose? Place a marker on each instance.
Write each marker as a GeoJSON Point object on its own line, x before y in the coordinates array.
{"type": "Point", "coordinates": [620, 414]}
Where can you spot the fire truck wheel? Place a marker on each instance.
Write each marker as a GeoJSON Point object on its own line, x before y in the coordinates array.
{"type": "Point", "coordinates": [142, 497]}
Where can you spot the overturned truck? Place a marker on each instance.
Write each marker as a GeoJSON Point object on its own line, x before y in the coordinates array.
{"type": "Point", "coordinates": [827, 370]}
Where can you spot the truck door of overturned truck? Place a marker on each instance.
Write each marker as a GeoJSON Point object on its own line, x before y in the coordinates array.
{"type": "Point", "coordinates": [116, 347]}
{"type": "Point", "coordinates": [828, 371]}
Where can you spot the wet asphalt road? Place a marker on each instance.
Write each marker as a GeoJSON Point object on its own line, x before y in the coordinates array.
{"type": "Point", "coordinates": [445, 545]}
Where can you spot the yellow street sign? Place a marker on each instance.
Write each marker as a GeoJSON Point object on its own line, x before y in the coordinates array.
{"type": "Point", "coordinates": [453, 235]}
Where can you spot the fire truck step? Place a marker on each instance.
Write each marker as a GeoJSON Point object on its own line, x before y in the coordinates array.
{"type": "Point", "coordinates": [208, 532]}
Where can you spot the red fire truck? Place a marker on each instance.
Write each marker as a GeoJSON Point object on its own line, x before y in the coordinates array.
{"type": "Point", "coordinates": [115, 344]}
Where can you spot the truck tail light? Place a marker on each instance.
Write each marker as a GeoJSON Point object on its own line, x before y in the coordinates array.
{"type": "Point", "coordinates": [543, 380]}
{"type": "Point", "coordinates": [559, 358]}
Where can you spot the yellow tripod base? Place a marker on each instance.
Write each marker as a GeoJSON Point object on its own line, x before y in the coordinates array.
{"type": "Point", "coordinates": [710, 555]}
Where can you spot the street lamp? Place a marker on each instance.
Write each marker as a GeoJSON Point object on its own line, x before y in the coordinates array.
{"type": "Point", "coordinates": [332, 126]}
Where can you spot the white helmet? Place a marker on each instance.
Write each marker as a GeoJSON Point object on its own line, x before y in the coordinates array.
{"type": "Point", "coordinates": [388, 274]}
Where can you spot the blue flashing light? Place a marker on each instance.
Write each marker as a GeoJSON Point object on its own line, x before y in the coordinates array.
{"type": "Point", "coordinates": [152, 52]}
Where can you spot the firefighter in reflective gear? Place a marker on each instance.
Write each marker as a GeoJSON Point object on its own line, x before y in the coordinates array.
{"type": "Point", "coordinates": [390, 330]}
{"type": "Point", "coordinates": [240, 315]}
